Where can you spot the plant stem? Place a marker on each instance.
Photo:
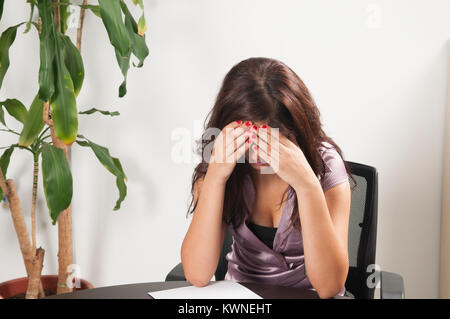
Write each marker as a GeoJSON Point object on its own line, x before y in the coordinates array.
{"type": "Point", "coordinates": [65, 244]}
{"type": "Point", "coordinates": [35, 275]}
{"type": "Point", "coordinates": [10, 192]}
{"type": "Point", "coordinates": [33, 205]}
{"type": "Point", "coordinates": [57, 14]}
{"type": "Point", "coordinates": [80, 26]}
{"type": "Point", "coordinates": [19, 223]}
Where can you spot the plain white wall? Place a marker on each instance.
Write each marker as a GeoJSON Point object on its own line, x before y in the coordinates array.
{"type": "Point", "coordinates": [377, 70]}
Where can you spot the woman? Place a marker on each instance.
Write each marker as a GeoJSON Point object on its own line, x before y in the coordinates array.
{"type": "Point", "coordinates": [290, 227]}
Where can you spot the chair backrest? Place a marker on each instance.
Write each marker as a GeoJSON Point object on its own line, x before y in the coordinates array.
{"type": "Point", "coordinates": [362, 232]}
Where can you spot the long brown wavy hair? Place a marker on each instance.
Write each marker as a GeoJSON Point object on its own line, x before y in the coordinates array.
{"type": "Point", "coordinates": [264, 90]}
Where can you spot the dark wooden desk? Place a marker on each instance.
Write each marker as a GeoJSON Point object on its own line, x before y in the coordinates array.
{"type": "Point", "coordinates": [140, 291]}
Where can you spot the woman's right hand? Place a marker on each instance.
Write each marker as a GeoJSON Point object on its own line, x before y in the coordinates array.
{"type": "Point", "coordinates": [232, 143]}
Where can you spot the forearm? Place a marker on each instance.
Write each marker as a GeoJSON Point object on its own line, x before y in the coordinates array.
{"type": "Point", "coordinates": [202, 244]}
{"type": "Point", "coordinates": [326, 258]}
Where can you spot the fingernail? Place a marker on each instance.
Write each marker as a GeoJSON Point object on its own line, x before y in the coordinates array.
{"type": "Point", "coordinates": [264, 126]}
{"type": "Point", "coordinates": [255, 127]}
{"type": "Point", "coordinates": [238, 122]}
{"type": "Point", "coordinates": [247, 123]}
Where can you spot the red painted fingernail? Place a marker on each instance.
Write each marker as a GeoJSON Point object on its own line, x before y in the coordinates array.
{"type": "Point", "coordinates": [247, 123]}
{"type": "Point", "coordinates": [264, 126]}
{"type": "Point", "coordinates": [238, 122]}
{"type": "Point", "coordinates": [255, 127]}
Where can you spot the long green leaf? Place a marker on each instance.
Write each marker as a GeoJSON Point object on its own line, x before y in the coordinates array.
{"type": "Point", "coordinates": [57, 180]}
{"type": "Point", "coordinates": [16, 109]}
{"type": "Point", "coordinates": [104, 157]}
{"type": "Point", "coordinates": [64, 106]}
{"type": "Point", "coordinates": [33, 124]}
{"type": "Point", "coordinates": [124, 64]}
{"type": "Point", "coordinates": [47, 51]}
{"type": "Point", "coordinates": [6, 40]}
{"type": "Point", "coordinates": [94, 110]}
{"type": "Point", "coordinates": [119, 167]}
{"type": "Point", "coordinates": [64, 14]}
{"type": "Point", "coordinates": [119, 37]}
{"type": "Point", "coordinates": [112, 164]}
{"type": "Point", "coordinates": [74, 64]}
{"type": "Point", "coordinates": [111, 15]}
{"type": "Point", "coordinates": [122, 187]}
{"type": "Point", "coordinates": [138, 45]}
{"type": "Point", "coordinates": [4, 163]}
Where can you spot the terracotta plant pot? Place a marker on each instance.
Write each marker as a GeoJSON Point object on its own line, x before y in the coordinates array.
{"type": "Point", "coordinates": [19, 286]}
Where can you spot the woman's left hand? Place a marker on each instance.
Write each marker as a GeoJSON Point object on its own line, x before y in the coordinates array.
{"type": "Point", "coordinates": [284, 156]}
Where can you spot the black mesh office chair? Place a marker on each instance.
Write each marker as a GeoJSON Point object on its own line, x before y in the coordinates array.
{"type": "Point", "coordinates": [363, 275]}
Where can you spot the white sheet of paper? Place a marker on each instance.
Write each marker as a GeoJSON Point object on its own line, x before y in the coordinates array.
{"type": "Point", "coordinates": [223, 289]}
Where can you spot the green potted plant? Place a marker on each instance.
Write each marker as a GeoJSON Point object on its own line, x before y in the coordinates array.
{"type": "Point", "coordinates": [50, 126]}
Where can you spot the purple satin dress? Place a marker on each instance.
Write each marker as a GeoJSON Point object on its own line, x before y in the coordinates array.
{"type": "Point", "coordinates": [250, 260]}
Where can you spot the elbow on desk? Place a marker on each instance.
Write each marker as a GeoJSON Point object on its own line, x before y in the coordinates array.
{"type": "Point", "coordinates": [329, 289]}
{"type": "Point", "coordinates": [197, 281]}
{"type": "Point", "coordinates": [330, 286]}
{"type": "Point", "coordinates": [194, 274]}
{"type": "Point", "coordinates": [328, 292]}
